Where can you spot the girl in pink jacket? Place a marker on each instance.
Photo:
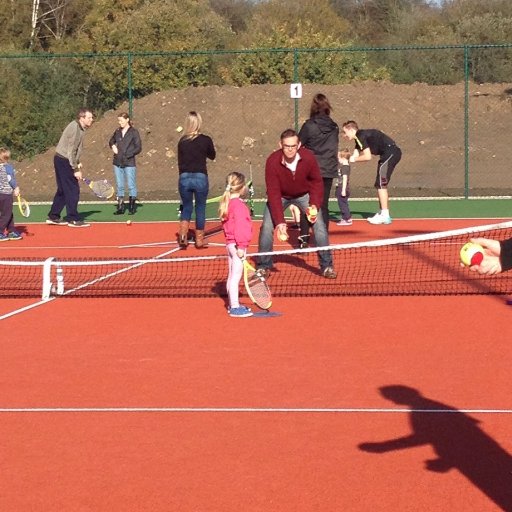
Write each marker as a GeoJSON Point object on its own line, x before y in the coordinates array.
{"type": "Point", "coordinates": [237, 226]}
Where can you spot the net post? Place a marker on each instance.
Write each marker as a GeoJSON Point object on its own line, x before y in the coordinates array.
{"type": "Point", "coordinates": [47, 279]}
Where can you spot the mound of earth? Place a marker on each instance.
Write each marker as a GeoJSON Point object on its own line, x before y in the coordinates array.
{"type": "Point", "coordinates": [428, 122]}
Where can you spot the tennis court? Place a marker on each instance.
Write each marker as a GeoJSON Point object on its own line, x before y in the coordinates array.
{"type": "Point", "coordinates": [392, 402]}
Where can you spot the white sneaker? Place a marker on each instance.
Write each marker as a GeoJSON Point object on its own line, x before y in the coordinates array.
{"type": "Point", "coordinates": [378, 218]}
{"type": "Point", "coordinates": [344, 222]}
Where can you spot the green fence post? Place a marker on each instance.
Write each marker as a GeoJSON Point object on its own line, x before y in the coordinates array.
{"type": "Point", "coordinates": [296, 80]}
{"type": "Point", "coordinates": [130, 88]}
{"type": "Point", "coordinates": [466, 121]}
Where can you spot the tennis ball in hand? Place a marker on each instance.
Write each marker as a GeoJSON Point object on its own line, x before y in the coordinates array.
{"type": "Point", "coordinates": [471, 254]}
{"type": "Point", "coordinates": [282, 236]}
{"type": "Point", "coordinates": [312, 213]}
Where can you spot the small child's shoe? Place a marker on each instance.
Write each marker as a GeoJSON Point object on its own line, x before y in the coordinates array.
{"type": "Point", "coordinates": [240, 312]}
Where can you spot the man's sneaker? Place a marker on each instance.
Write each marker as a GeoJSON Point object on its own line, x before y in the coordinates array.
{"type": "Point", "coordinates": [378, 218]}
{"type": "Point", "coordinates": [14, 235]}
{"type": "Point", "coordinates": [3, 238]}
{"type": "Point", "coordinates": [78, 224]}
{"type": "Point", "coordinates": [240, 312]}
{"type": "Point", "coordinates": [56, 222]}
{"type": "Point", "coordinates": [303, 241]}
{"type": "Point", "coordinates": [329, 273]}
{"type": "Point", "coordinates": [344, 222]}
{"type": "Point", "coordinates": [263, 272]}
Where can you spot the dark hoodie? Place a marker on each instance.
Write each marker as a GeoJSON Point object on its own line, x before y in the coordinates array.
{"type": "Point", "coordinates": [320, 134]}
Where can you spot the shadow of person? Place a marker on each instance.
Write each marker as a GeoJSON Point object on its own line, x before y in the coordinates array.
{"type": "Point", "coordinates": [456, 439]}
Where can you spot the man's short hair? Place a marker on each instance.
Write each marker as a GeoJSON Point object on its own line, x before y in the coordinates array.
{"type": "Point", "coordinates": [290, 132]}
{"type": "Point", "coordinates": [350, 124]}
{"type": "Point", "coordinates": [82, 112]}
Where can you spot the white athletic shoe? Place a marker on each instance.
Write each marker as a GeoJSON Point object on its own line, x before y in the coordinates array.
{"type": "Point", "coordinates": [378, 218]}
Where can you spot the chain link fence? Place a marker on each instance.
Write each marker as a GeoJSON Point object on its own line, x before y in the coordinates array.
{"type": "Point", "coordinates": [447, 107]}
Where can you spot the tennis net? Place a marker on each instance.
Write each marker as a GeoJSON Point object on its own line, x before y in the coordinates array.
{"type": "Point", "coordinates": [425, 264]}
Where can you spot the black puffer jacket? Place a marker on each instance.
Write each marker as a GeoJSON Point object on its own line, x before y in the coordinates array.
{"type": "Point", "coordinates": [320, 134]}
{"type": "Point", "coordinates": [128, 146]}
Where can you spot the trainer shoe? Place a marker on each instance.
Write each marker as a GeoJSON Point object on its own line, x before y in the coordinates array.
{"type": "Point", "coordinates": [14, 235]}
{"type": "Point", "coordinates": [3, 238]}
{"type": "Point", "coordinates": [303, 241]}
{"type": "Point", "coordinates": [263, 272]}
{"type": "Point", "coordinates": [378, 218]}
{"type": "Point", "coordinates": [344, 222]}
{"type": "Point", "coordinates": [56, 222]}
{"type": "Point", "coordinates": [240, 312]}
{"type": "Point", "coordinates": [329, 273]}
{"type": "Point", "coordinates": [78, 224]}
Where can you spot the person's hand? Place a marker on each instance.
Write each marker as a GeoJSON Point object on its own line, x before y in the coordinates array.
{"type": "Point", "coordinates": [312, 213]}
{"type": "Point", "coordinates": [114, 149]}
{"type": "Point", "coordinates": [282, 232]}
{"type": "Point", "coordinates": [344, 161]}
{"type": "Point", "coordinates": [16, 191]}
{"type": "Point", "coordinates": [491, 247]}
{"type": "Point", "coordinates": [491, 263]}
{"type": "Point", "coordinates": [78, 175]}
{"type": "Point", "coordinates": [343, 192]}
{"type": "Point", "coordinates": [240, 253]}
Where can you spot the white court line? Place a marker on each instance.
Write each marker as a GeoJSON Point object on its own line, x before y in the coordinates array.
{"type": "Point", "coordinates": [149, 245]}
{"type": "Point", "coordinates": [248, 410]}
{"type": "Point", "coordinates": [67, 292]}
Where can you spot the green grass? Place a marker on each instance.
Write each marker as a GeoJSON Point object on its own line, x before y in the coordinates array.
{"type": "Point", "coordinates": [428, 208]}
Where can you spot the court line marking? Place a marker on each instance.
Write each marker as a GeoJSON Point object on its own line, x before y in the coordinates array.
{"type": "Point", "coordinates": [247, 410]}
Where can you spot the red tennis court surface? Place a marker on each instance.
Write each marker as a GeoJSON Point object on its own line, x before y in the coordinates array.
{"type": "Point", "coordinates": [170, 405]}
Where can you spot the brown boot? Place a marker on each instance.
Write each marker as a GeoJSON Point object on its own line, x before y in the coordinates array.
{"type": "Point", "coordinates": [183, 234]}
{"type": "Point", "coordinates": [200, 243]}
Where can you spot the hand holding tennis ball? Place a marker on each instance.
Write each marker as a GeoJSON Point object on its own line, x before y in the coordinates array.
{"type": "Point", "coordinates": [312, 213]}
{"type": "Point", "coordinates": [471, 254]}
{"type": "Point", "coordinates": [282, 232]}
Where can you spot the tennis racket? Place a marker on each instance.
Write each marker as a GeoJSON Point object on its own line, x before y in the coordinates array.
{"type": "Point", "coordinates": [23, 206]}
{"type": "Point", "coordinates": [100, 188]}
{"type": "Point", "coordinates": [256, 286]}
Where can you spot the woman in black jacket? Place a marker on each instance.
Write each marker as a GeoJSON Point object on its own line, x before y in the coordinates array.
{"type": "Point", "coordinates": [320, 134]}
{"type": "Point", "coordinates": [125, 144]}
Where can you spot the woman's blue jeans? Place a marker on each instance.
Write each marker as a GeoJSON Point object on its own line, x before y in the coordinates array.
{"type": "Point", "coordinates": [129, 174]}
{"type": "Point", "coordinates": [194, 186]}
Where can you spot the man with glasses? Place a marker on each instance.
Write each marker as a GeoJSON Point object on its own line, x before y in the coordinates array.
{"type": "Point", "coordinates": [68, 172]}
{"type": "Point", "coordinates": [292, 176]}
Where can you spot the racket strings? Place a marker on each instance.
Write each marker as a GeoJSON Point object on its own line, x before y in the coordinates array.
{"type": "Point", "coordinates": [102, 189]}
{"type": "Point", "coordinates": [259, 290]}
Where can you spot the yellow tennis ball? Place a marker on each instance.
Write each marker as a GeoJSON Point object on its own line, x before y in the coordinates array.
{"type": "Point", "coordinates": [471, 254]}
{"type": "Point", "coordinates": [282, 237]}
{"type": "Point", "coordinates": [128, 222]}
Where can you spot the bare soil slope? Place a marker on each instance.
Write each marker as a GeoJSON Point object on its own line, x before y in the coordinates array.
{"type": "Point", "coordinates": [428, 122]}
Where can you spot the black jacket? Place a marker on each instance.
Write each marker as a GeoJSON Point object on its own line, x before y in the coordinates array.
{"type": "Point", "coordinates": [127, 146]}
{"type": "Point", "coordinates": [320, 134]}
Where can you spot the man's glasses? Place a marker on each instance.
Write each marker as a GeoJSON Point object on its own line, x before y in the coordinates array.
{"type": "Point", "coordinates": [293, 146]}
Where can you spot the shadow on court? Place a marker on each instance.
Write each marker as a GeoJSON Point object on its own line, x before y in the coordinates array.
{"type": "Point", "coordinates": [456, 439]}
